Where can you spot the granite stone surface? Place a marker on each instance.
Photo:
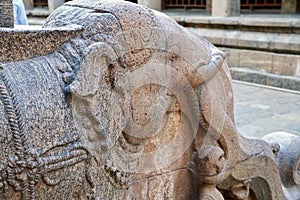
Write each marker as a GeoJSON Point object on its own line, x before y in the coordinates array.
{"type": "Point", "coordinates": [6, 14]}
{"type": "Point", "coordinates": [111, 100]}
{"type": "Point", "coordinates": [24, 43]}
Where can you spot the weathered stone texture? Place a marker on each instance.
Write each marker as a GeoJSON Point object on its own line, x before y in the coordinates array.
{"type": "Point", "coordinates": [130, 106]}
{"type": "Point", "coordinates": [21, 44]}
{"type": "Point", "coordinates": [6, 13]}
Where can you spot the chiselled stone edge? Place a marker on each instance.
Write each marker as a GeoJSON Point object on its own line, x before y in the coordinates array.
{"type": "Point", "coordinates": [264, 78]}
{"type": "Point", "coordinates": [24, 43]}
{"type": "Point", "coordinates": [269, 42]}
{"type": "Point", "coordinates": [265, 24]}
{"type": "Point", "coordinates": [28, 29]}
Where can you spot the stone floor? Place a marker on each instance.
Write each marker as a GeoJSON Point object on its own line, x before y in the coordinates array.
{"type": "Point", "coordinates": [260, 110]}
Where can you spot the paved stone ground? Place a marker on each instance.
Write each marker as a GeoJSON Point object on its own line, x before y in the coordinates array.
{"type": "Point", "coordinates": [260, 110]}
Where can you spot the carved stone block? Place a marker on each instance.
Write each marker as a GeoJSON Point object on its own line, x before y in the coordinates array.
{"type": "Point", "coordinates": [111, 100]}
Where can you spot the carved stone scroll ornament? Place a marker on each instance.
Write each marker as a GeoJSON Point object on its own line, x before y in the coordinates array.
{"type": "Point", "coordinates": [286, 150]}
{"type": "Point", "coordinates": [127, 105]}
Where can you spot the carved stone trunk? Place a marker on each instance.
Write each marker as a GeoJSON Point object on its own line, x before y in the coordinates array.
{"type": "Point", "coordinates": [111, 100]}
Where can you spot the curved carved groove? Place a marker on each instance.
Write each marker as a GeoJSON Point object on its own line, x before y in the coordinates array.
{"type": "Point", "coordinates": [49, 181]}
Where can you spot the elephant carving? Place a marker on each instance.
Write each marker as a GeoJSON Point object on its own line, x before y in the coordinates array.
{"type": "Point", "coordinates": [112, 100]}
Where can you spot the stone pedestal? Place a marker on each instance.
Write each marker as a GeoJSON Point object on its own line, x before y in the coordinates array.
{"type": "Point", "coordinates": [154, 4]}
{"type": "Point", "coordinates": [225, 8]}
{"type": "Point", "coordinates": [53, 4]}
{"type": "Point", "coordinates": [289, 6]}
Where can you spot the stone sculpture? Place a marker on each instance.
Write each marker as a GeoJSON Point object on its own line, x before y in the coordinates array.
{"type": "Point", "coordinates": [111, 100]}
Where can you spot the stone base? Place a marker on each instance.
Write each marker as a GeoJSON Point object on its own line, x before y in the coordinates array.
{"type": "Point", "coordinates": [274, 63]}
{"type": "Point", "coordinates": [263, 78]}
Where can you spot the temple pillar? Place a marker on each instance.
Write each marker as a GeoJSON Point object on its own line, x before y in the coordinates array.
{"type": "Point", "coordinates": [225, 8]}
{"type": "Point", "coordinates": [154, 4]}
{"type": "Point", "coordinates": [289, 6]}
{"type": "Point", "coordinates": [53, 4]}
{"type": "Point", "coordinates": [208, 5]}
{"type": "Point", "coordinates": [28, 4]}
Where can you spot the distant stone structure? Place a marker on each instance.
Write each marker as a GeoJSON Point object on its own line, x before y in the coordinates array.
{"type": "Point", "coordinates": [6, 14]}
{"type": "Point", "coordinates": [111, 100]}
{"type": "Point", "coordinates": [216, 7]}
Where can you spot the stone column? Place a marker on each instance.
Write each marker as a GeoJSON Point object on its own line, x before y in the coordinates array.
{"type": "Point", "coordinates": [53, 4]}
{"type": "Point", "coordinates": [154, 4]}
{"type": "Point", "coordinates": [225, 8]}
{"type": "Point", "coordinates": [6, 14]}
{"type": "Point", "coordinates": [28, 4]}
{"type": "Point", "coordinates": [208, 5]}
{"type": "Point", "coordinates": [289, 6]}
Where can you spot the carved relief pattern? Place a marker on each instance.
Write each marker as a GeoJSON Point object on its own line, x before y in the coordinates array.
{"type": "Point", "coordinates": [150, 108]}
{"type": "Point", "coordinates": [29, 166]}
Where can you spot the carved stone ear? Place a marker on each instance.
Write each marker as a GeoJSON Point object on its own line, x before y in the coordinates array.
{"type": "Point", "coordinates": [95, 103]}
{"type": "Point", "coordinates": [98, 58]}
